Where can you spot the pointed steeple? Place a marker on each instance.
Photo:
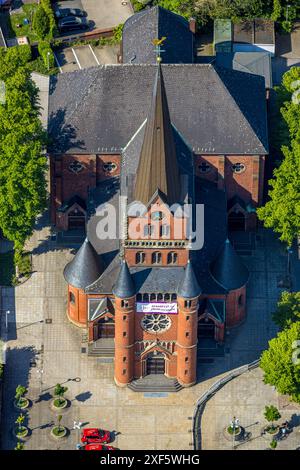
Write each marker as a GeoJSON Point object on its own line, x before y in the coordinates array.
{"type": "Point", "coordinates": [228, 268]}
{"type": "Point", "coordinates": [124, 287]}
{"type": "Point", "coordinates": [158, 167]}
{"type": "Point", "coordinates": [85, 268]}
{"type": "Point", "coordinates": [188, 287]}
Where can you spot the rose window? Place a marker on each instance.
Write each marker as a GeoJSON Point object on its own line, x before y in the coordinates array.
{"type": "Point", "coordinates": [155, 323]}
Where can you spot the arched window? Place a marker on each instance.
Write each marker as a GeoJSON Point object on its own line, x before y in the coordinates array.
{"type": "Point", "coordinates": [172, 257]}
{"type": "Point", "coordinates": [173, 297]}
{"type": "Point", "coordinates": [152, 297]}
{"type": "Point", "coordinates": [241, 301]}
{"type": "Point", "coordinates": [109, 167]}
{"type": "Point", "coordinates": [145, 297]}
{"type": "Point", "coordinates": [139, 297]}
{"type": "Point", "coordinates": [140, 257]}
{"type": "Point", "coordinates": [156, 257]}
{"type": "Point", "coordinates": [166, 297]}
{"type": "Point", "coordinates": [159, 297]}
{"type": "Point", "coordinates": [164, 230]}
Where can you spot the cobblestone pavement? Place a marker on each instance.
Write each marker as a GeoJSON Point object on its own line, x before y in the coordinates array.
{"type": "Point", "coordinates": [54, 346]}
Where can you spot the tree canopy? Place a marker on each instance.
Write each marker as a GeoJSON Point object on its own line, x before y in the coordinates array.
{"type": "Point", "coordinates": [279, 363]}
{"type": "Point", "coordinates": [288, 309]}
{"type": "Point", "coordinates": [22, 140]}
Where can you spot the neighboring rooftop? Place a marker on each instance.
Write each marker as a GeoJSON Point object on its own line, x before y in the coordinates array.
{"type": "Point", "coordinates": [100, 109]}
{"type": "Point", "coordinates": [257, 63]}
{"type": "Point", "coordinates": [142, 28]}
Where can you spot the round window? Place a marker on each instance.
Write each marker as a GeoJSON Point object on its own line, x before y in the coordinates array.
{"type": "Point", "coordinates": [155, 323]}
{"type": "Point", "coordinates": [238, 167]}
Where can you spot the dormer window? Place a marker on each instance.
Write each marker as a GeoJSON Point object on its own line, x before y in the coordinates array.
{"type": "Point", "coordinates": [157, 215]}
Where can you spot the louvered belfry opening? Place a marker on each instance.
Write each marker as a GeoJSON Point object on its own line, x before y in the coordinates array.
{"type": "Point", "coordinates": [158, 168]}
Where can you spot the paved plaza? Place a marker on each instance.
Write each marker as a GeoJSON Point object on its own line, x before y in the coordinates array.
{"type": "Point", "coordinates": [41, 339]}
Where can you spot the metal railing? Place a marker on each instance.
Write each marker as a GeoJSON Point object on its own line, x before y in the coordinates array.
{"type": "Point", "coordinates": [200, 405]}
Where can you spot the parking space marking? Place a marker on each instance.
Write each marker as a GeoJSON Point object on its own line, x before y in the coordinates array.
{"type": "Point", "coordinates": [75, 55]}
{"type": "Point", "coordinates": [95, 57]}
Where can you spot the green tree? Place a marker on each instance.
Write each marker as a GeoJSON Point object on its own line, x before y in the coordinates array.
{"type": "Point", "coordinates": [273, 444]}
{"type": "Point", "coordinates": [19, 421]}
{"type": "Point", "coordinates": [272, 414]}
{"type": "Point", "coordinates": [19, 446]}
{"type": "Point", "coordinates": [41, 22]}
{"type": "Point", "coordinates": [22, 164]}
{"type": "Point", "coordinates": [288, 309]}
{"type": "Point", "coordinates": [282, 211]}
{"type": "Point", "coordinates": [280, 364]}
{"type": "Point", "coordinates": [276, 10]}
{"type": "Point", "coordinates": [59, 392]}
{"type": "Point", "coordinates": [20, 392]}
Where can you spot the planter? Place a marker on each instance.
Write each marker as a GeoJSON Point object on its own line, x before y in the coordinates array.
{"type": "Point", "coordinates": [59, 404]}
{"type": "Point", "coordinates": [21, 433]}
{"type": "Point", "coordinates": [58, 432]}
{"type": "Point", "coordinates": [237, 431]}
{"type": "Point", "coordinates": [266, 432]}
{"type": "Point", "coordinates": [22, 404]}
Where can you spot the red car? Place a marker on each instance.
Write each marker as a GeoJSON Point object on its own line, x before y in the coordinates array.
{"type": "Point", "coordinates": [95, 435]}
{"type": "Point", "coordinates": [97, 447]}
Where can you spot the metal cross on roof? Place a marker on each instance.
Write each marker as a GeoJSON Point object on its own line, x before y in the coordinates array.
{"type": "Point", "coordinates": [158, 50]}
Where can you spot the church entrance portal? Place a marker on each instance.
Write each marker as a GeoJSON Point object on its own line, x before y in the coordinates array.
{"type": "Point", "coordinates": [236, 222]}
{"type": "Point", "coordinates": [206, 328]}
{"type": "Point", "coordinates": [155, 364]}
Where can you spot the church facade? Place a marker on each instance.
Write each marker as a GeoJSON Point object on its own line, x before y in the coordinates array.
{"type": "Point", "coordinates": [144, 145]}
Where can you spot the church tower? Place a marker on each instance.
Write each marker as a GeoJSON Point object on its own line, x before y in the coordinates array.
{"type": "Point", "coordinates": [187, 299]}
{"type": "Point", "coordinates": [124, 291]}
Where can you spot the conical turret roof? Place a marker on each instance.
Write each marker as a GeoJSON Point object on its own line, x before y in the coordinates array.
{"type": "Point", "coordinates": [85, 268]}
{"type": "Point", "coordinates": [158, 169]}
{"type": "Point", "coordinates": [228, 268]}
{"type": "Point", "coordinates": [188, 287]}
{"type": "Point", "coordinates": [124, 287]}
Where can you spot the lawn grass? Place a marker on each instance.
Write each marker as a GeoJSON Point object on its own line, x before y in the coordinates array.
{"type": "Point", "coordinates": [7, 269]}
{"type": "Point", "coordinates": [25, 29]}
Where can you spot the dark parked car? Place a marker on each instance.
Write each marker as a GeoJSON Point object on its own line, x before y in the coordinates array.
{"type": "Point", "coordinates": [72, 22]}
{"type": "Point", "coordinates": [63, 12]}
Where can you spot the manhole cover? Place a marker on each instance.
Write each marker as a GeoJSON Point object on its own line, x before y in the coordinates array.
{"type": "Point", "coordinates": [83, 350]}
{"type": "Point", "coordinates": [48, 321]}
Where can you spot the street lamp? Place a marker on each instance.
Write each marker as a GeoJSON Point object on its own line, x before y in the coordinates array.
{"type": "Point", "coordinates": [289, 252]}
{"type": "Point", "coordinates": [6, 319]}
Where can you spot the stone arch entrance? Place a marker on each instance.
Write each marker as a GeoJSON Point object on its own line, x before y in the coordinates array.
{"type": "Point", "coordinates": [155, 364]}
{"type": "Point", "coordinates": [236, 221]}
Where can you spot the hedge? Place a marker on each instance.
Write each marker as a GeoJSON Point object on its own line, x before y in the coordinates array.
{"type": "Point", "coordinates": [44, 48]}
{"type": "Point", "coordinates": [46, 4]}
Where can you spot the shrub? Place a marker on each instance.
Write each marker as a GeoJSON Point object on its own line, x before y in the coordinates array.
{"type": "Point", "coordinates": [287, 26]}
{"type": "Point", "coordinates": [273, 444]}
{"type": "Point", "coordinates": [118, 31]}
{"type": "Point", "coordinates": [46, 4]}
{"type": "Point", "coordinates": [46, 53]}
{"type": "Point", "coordinates": [41, 22]}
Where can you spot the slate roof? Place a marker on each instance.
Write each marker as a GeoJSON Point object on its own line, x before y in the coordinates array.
{"type": "Point", "coordinates": [228, 269]}
{"type": "Point", "coordinates": [157, 167]}
{"type": "Point", "coordinates": [84, 268]}
{"type": "Point", "coordinates": [188, 287]}
{"type": "Point", "coordinates": [99, 110]}
{"type": "Point", "coordinates": [140, 29]}
{"type": "Point", "coordinates": [257, 63]}
{"type": "Point", "coordinates": [124, 287]}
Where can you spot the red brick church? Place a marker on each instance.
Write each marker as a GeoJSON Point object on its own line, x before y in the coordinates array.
{"type": "Point", "coordinates": [163, 135]}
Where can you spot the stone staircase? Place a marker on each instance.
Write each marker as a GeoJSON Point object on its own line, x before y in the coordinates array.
{"type": "Point", "coordinates": [102, 348]}
{"type": "Point", "coordinates": [155, 383]}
